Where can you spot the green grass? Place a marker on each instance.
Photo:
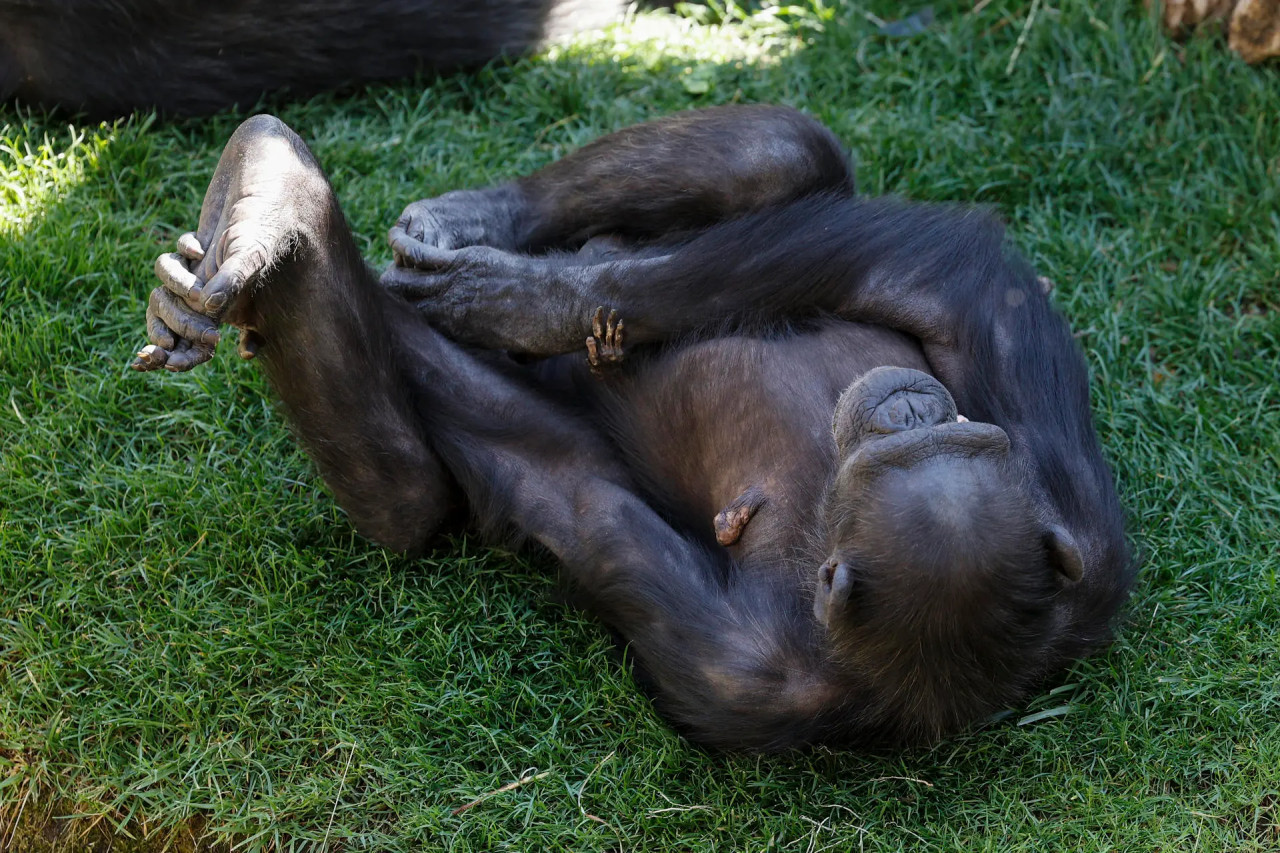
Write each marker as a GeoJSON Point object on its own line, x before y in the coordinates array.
{"type": "Point", "coordinates": [193, 642]}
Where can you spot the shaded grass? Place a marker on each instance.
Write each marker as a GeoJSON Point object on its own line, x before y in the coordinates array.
{"type": "Point", "coordinates": [191, 635]}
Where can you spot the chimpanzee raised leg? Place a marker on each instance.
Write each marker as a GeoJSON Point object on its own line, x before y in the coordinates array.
{"type": "Point", "coordinates": [275, 258]}
{"type": "Point", "coordinates": [643, 182]}
{"type": "Point", "coordinates": [382, 400]}
{"type": "Point", "coordinates": [680, 173]}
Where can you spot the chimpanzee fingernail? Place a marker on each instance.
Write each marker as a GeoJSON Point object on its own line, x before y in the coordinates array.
{"type": "Point", "coordinates": [210, 337]}
{"type": "Point", "coordinates": [215, 301]}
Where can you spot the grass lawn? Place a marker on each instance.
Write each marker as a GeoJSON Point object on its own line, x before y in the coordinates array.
{"type": "Point", "coordinates": [195, 645]}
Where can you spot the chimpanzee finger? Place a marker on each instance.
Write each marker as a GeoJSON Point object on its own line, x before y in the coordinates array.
{"type": "Point", "coordinates": [409, 283]}
{"type": "Point", "coordinates": [177, 317]}
{"type": "Point", "coordinates": [229, 281]}
{"type": "Point", "coordinates": [172, 271]}
{"type": "Point", "coordinates": [189, 247]}
{"type": "Point", "coordinates": [150, 358]}
{"type": "Point", "coordinates": [187, 355]}
{"type": "Point", "coordinates": [414, 253]}
{"type": "Point", "coordinates": [157, 332]}
{"type": "Point", "coordinates": [597, 323]}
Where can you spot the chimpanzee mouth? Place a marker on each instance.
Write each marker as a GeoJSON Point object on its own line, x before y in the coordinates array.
{"type": "Point", "coordinates": [888, 400]}
{"type": "Point", "coordinates": [897, 416]}
{"type": "Point", "coordinates": [916, 406]}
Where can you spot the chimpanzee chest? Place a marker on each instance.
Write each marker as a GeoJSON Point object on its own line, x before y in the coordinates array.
{"type": "Point", "coordinates": [705, 422]}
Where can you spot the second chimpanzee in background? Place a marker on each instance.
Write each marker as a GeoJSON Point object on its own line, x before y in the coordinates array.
{"type": "Point", "coordinates": [187, 57]}
{"type": "Point", "coordinates": [772, 498]}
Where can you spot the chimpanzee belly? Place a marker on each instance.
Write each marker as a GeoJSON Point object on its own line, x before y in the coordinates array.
{"type": "Point", "coordinates": [704, 422]}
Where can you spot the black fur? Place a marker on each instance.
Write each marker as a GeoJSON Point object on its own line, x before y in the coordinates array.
{"type": "Point", "coordinates": [110, 57]}
{"type": "Point", "coordinates": [903, 574]}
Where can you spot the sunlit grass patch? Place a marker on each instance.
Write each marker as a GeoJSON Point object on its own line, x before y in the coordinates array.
{"type": "Point", "coordinates": [37, 173]}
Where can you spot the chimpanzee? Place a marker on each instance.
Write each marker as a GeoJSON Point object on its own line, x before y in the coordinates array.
{"type": "Point", "coordinates": [186, 57]}
{"type": "Point", "coordinates": [770, 495]}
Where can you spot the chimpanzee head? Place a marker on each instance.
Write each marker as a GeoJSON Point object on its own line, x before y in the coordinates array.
{"type": "Point", "coordinates": [943, 572]}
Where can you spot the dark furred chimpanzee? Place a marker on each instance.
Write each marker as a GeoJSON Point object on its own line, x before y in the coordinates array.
{"type": "Point", "coordinates": [771, 498]}
{"type": "Point", "coordinates": [187, 57]}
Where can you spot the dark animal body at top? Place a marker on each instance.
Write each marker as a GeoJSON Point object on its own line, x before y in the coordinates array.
{"type": "Point", "coordinates": [771, 496]}
{"type": "Point", "coordinates": [188, 58]}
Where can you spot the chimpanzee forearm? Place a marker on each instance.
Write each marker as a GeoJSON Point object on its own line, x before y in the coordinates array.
{"type": "Point", "coordinates": [273, 255]}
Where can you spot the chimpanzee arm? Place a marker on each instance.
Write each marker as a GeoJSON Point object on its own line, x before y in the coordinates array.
{"type": "Point", "coordinates": [686, 171]}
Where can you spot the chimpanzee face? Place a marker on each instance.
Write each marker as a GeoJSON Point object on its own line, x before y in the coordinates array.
{"type": "Point", "coordinates": [923, 503]}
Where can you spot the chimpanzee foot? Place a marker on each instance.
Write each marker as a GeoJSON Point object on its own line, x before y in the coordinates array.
{"type": "Point", "coordinates": [266, 194]}
{"type": "Point", "coordinates": [732, 520]}
{"type": "Point", "coordinates": [604, 346]}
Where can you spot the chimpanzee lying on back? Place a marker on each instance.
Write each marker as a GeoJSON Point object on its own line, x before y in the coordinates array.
{"type": "Point", "coordinates": [188, 57]}
{"type": "Point", "coordinates": [893, 572]}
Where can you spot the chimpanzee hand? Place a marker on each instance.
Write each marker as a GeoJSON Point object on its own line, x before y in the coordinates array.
{"type": "Point", "coordinates": [604, 344]}
{"type": "Point", "coordinates": [182, 335]}
{"type": "Point", "coordinates": [454, 220]}
{"type": "Point", "coordinates": [499, 300]}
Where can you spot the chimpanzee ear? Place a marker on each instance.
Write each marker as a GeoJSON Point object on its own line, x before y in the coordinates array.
{"type": "Point", "coordinates": [1064, 554]}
